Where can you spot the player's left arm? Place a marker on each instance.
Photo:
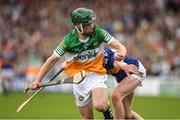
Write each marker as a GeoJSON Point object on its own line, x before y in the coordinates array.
{"type": "Point", "coordinates": [121, 49]}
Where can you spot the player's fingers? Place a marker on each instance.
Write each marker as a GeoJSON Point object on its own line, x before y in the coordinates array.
{"type": "Point", "coordinates": [33, 86]}
{"type": "Point", "coordinates": [119, 58]}
{"type": "Point", "coordinates": [134, 67]}
{"type": "Point", "coordinates": [134, 70]}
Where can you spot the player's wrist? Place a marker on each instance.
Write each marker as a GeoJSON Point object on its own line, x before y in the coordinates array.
{"type": "Point", "coordinates": [36, 82]}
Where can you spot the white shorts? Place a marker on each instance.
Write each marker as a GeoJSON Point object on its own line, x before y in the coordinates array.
{"type": "Point", "coordinates": [141, 69]}
{"type": "Point", "coordinates": [83, 90]}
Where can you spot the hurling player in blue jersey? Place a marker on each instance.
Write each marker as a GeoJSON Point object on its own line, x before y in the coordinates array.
{"type": "Point", "coordinates": [129, 74]}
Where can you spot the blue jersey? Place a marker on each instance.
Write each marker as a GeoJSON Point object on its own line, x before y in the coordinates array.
{"type": "Point", "coordinates": [109, 60]}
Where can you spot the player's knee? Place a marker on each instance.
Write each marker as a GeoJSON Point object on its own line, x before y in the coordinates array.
{"type": "Point", "coordinates": [115, 97]}
{"type": "Point", "coordinates": [101, 106]}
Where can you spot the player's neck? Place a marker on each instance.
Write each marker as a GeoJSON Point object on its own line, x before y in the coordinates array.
{"type": "Point", "coordinates": [81, 36]}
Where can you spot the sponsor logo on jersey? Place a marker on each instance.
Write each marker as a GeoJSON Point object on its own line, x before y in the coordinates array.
{"type": "Point", "coordinates": [86, 56]}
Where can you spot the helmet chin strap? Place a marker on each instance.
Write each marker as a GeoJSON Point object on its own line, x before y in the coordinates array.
{"type": "Point", "coordinates": [82, 31]}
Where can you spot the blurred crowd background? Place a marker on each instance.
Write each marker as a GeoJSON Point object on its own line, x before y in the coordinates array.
{"type": "Point", "coordinates": [31, 29]}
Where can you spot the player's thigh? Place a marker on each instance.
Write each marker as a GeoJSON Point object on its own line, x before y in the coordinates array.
{"type": "Point", "coordinates": [84, 90]}
{"type": "Point", "coordinates": [126, 86]}
{"type": "Point", "coordinates": [99, 95]}
{"type": "Point", "coordinates": [99, 92]}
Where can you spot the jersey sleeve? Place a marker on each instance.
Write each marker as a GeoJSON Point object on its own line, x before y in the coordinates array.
{"type": "Point", "coordinates": [106, 36]}
{"type": "Point", "coordinates": [61, 49]}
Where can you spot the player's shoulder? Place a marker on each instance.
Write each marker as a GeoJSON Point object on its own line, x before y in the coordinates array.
{"type": "Point", "coordinates": [99, 29]}
{"type": "Point", "coordinates": [102, 33]}
{"type": "Point", "coordinates": [71, 35]}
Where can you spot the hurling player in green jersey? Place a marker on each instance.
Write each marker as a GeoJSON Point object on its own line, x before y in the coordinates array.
{"type": "Point", "coordinates": [81, 48]}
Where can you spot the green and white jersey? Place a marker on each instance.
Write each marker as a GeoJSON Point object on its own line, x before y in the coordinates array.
{"type": "Point", "coordinates": [83, 51]}
{"type": "Point", "coordinates": [71, 43]}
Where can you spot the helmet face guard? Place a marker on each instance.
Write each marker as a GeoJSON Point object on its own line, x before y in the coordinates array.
{"type": "Point", "coordinates": [82, 17]}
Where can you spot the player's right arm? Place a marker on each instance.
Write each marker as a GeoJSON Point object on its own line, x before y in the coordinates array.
{"type": "Point", "coordinates": [43, 70]}
{"type": "Point", "coordinates": [50, 62]}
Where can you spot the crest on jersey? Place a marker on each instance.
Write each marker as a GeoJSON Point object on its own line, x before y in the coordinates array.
{"type": "Point", "coordinates": [81, 98]}
{"type": "Point", "coordinates": [95, 44]}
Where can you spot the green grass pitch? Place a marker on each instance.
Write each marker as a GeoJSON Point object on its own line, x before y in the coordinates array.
{"type": "Point", "coordinates": [62, 106]}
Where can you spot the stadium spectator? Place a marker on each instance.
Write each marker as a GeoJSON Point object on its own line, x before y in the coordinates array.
{"type": "Point", "coordinates": [7, 69]}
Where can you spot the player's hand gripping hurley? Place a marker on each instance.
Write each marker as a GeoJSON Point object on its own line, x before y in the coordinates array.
{"type": "Point", "coordinates": [79, 77]}
{"type": "Point", "coordinates": [74, 80]}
